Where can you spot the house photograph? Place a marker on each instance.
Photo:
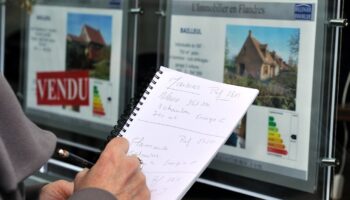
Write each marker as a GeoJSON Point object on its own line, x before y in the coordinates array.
{"type": "Point", "coordinates": [89, 44]}
{"type": "Point", "coordinates": [265, 58]}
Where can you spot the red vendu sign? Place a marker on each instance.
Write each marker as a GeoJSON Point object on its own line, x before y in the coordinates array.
{"type": "Point", "coordinates": [62, 88]}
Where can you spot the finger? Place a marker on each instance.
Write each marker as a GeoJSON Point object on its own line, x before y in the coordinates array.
{"type": "Point", "coordinates": [80, 175]}
{"type": "Point", "coordinates": [136, 161]}
{"type": "Point", "coordinates": [138, 186]}
{"type": "Point", "coordinates": [120, 143]}
{"type": "Point", "coordinates": [143, 194]}
{"type": "Point", "coordinates": [65, 188]}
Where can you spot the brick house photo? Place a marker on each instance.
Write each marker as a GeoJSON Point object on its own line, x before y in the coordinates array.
{"type": "Point", "coordinates": [91, 40]}
{"type": "Point", "coordinates": [88, 44]}
{"type": "Point", "coordinates": [265, 58]}
{"type": "Point", "coordinates": [256, 60]}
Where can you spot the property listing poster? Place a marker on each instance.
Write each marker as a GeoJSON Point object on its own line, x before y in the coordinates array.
{"type": "Point", "coordinates": [258, 44]}
{"type": "Point", "coordinates": [73, 66]}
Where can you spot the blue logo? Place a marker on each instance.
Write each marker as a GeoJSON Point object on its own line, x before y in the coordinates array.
{"type": "Point", "coordinates": [114, 2]}
{"type": "Point", "coordinates": [303, 11]}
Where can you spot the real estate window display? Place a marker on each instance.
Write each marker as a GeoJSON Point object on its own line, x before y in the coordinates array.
{"type": "Point", "coordinates": [263, 69]}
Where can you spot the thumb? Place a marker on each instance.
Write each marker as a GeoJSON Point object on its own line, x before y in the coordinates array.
{"type": "Point", "coordinates": [57, 190]}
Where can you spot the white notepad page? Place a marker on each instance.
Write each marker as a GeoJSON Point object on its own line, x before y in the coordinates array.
{"type": "Point", "coordinates": [180, 127]}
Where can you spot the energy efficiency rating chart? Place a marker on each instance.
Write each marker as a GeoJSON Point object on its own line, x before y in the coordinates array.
{"type": "Point", "coordinates": [97, 103]}
{"type": "Point", "coordinates": [275, 142]}
{"type": "Point", "coordinates": [101, 99]}
{"type": "Point", "coordinates": [282, 134]}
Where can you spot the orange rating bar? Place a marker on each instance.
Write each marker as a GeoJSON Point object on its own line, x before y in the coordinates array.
{"type": "Point", "coordinates": [276, 145]}
{"type": "Point", "coordinates": [97, 105]}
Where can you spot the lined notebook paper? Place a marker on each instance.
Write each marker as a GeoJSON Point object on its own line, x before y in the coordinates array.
{"type": "Point", "coordinates": [178, 127]}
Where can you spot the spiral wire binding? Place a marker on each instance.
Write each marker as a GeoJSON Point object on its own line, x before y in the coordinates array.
{"type": "Point", "coordinates": [131, 110]}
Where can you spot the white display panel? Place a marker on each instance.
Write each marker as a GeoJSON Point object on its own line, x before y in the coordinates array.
{"type": "Point", "coordinates": [64, 40]}
{"type": "Point", "coordinates": [265, 45]}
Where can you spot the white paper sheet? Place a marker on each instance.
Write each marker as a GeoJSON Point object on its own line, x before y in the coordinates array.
{"type": "Point", "coordinates": [180, 126]}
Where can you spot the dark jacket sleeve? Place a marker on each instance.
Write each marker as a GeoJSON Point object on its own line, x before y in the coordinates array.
{"type": "Point", "coordinates": [92, 194]}
{"type": "Point", "coordinates": [24, 147]}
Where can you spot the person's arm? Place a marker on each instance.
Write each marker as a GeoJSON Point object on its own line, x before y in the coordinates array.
{"type": "Point", "coordinates": [24, 147]}
{"type": "Point", "coordinates": [114, 176]}
{"type": "Point", "coordinates": [63, 190]}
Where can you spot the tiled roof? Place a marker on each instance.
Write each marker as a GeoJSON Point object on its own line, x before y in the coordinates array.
{"type": "Point", "coordinates": [258, 46]}
{"type": "Point", "coordinates": [74, 38]}
{"type": "Point", "coordinates": [270, 57]}
{"type": "Point", "coordinates": [92, 35]}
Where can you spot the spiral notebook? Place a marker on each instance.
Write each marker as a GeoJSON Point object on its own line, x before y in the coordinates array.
{"type": "Point", "coordinates": [178, 126]}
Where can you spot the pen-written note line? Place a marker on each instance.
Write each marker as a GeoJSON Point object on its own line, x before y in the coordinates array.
{"type": "Point", "coordinates": [179, 101]}
{"type": "Point", "coordinates": [180, 86]}
{"type": "Point", "coordinates": [176, 84]}
{"type": "Point", "coordinates": [185, 129]}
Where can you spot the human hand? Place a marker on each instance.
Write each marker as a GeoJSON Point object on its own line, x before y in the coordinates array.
{"type": "Point", "coordinates": [115, 172]}
{"type": "Point", "coordinates": [58, 190]}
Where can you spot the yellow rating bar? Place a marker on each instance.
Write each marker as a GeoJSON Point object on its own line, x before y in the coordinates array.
{"type": "Point", "coordinates": [275, 140]}
{"type": "Point", "coordinates": [96, 99]}
{"type": "Point", "coordinates": [274, 134]}
{"type": "Point", "coordinates": [273, 137]}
